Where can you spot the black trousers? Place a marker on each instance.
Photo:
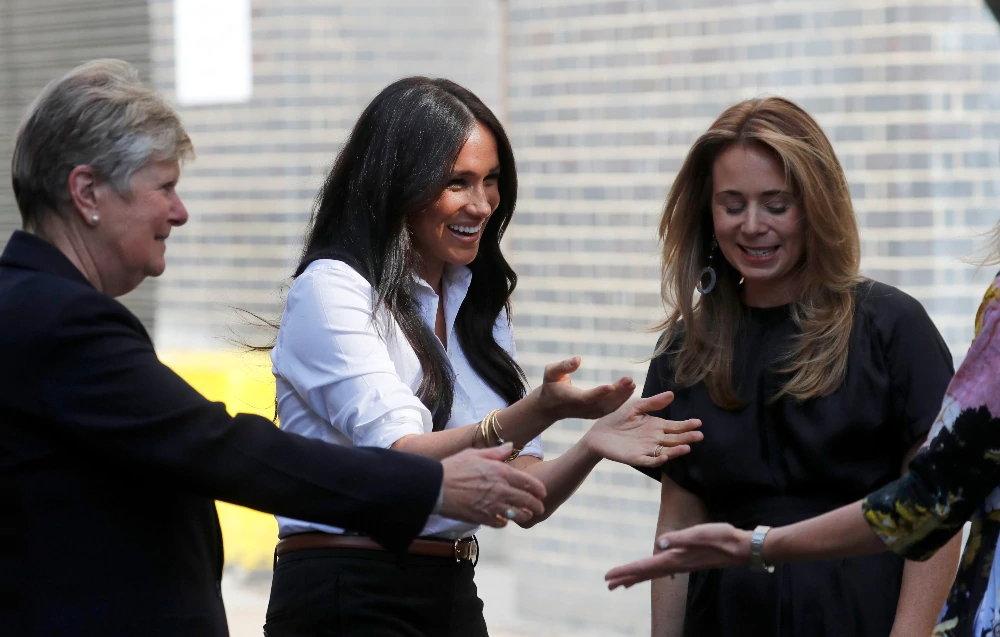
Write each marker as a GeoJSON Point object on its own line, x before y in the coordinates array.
{"type": "Point", "coordinates": [353, 592]}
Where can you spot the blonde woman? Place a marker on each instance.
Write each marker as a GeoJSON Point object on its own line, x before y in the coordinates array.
{"type": "Point", "coordinates": [815, 385]}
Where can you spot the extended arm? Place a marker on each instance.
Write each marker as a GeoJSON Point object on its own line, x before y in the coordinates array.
{"type": "Point", "coordinates": [914, 516]}
{"type": "Point", "coordinates": [628, 435]}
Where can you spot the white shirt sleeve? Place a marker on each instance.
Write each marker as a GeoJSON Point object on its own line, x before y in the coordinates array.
{"type": "Point", "coordinates": [330, 352]}
{"type": "Point", "coordinates": [503, 332]}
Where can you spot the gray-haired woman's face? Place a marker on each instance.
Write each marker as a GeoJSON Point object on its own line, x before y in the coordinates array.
{"type": "Point", "coordinates": [133, 229]}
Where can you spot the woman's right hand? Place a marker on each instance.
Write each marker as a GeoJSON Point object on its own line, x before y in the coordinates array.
{"type": "Point", "coordinates": [558, 398]}
{"type": "Point", "coordinates": [698, 548]}
{"type": "Point", "coordinates": [633, 437]}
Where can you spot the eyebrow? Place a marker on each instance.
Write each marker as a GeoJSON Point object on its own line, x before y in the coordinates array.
{"type": "Point", "coordinates": [464, 173]}
{"type": "Point", "coordinates": [766, 193]}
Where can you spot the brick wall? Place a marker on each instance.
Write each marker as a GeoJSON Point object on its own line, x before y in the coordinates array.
{"type": "Point", "coordinates": [606, 98]}
{"type": "Point", "coordinates": [316, 64]}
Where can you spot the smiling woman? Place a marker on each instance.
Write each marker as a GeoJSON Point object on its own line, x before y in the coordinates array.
{"type": "Point", "coordinates": [814, 384]}
{"type": "Point", "coordinates": [397, 334]}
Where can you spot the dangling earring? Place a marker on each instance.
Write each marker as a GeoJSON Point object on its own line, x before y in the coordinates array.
{"type": "Point", "coordinates": [708, 272]}
{"type": "Point", "coordinates": [94, 219]}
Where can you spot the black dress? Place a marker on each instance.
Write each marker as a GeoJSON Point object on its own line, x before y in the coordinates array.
{"type": "Point", "coordinates": [780, 462]}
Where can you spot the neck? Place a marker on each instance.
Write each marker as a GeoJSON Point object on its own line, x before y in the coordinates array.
{"type": "Point", "coordinates": [68, 238]}
{"type": "Point", "coordinates": [768, 294]}
{"type": "Point", "coordinates": [432, 273]}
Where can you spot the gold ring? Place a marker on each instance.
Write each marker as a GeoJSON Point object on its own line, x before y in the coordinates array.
{"type": "Point", "coordinates": [656, 452]}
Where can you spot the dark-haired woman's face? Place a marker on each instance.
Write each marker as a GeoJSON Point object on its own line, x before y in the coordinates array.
{"type": "Point", "coordinates": [450, 229]}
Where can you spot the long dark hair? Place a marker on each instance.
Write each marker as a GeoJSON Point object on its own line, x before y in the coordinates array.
{"type": "Point", "coordinates": [396, 162]}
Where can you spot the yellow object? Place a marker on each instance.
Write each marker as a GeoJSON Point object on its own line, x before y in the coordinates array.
{"type": "Point", "coordinates": [243, 381]}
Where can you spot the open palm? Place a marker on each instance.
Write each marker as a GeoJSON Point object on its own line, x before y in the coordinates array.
{"type": "Point", "coordinates": [631, 436]}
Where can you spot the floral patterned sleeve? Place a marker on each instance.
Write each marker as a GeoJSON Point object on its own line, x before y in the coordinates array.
{"type": "Point", "coordinates": [958, 470]}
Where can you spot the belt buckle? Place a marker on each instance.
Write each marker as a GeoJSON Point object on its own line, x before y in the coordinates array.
{"type": "Point", "coordinates": [473, 551]}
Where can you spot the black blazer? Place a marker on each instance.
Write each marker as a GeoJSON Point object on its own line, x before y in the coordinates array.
{"type": "Point", "coordinates": [110, 462]}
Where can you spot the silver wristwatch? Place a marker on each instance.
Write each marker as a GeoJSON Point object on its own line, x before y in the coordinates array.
{"type": "Point", "coordinates": [757, 551]}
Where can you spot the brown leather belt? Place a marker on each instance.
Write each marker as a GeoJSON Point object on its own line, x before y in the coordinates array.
{"type": "Point", "coordinates": [458, 550]}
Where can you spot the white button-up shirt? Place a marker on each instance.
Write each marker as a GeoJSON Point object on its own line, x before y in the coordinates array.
{"type": "Point", "coordinates": [349, 378]}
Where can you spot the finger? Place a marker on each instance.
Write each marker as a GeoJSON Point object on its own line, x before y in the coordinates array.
{"type": "Point", "coordinates": [496, 521]}
{"type": "Point", "coordinates": [597, 393]}
{"type": "Point", "coordinates": [555, 371]}
{"type": "Point", "coordinates": [521, 516]}
{"type": "Point", "coordinates": [499, 454]}
{"type": "Point", "coordinates": [521, 500]}
{"type": "Point", "coordinates": [655, 402]}
{"type": "Point", "coordinates": [641, 570]}
{"type": "Point", "coordinates": [674, 440]}
{"type": "Point", "coordinates": [521, 481]}
{"type": "Point", "coordinates": [667, 453]}
{"type": "Point", "coordinates": [624, 382]}
{"type": "Point", "coordinates": [678, 426]}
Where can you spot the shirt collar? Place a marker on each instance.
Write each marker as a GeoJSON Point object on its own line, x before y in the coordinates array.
{"type": "Point", "coordinates": [30, 252]}
{"type": "Point", "coordinates": [456, 279]}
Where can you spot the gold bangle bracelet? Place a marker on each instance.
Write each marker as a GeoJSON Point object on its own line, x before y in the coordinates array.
{"type": "Point", "coordinates": [488, 428]}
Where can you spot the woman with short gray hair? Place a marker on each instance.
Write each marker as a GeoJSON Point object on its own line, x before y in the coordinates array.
{"type": "Point", "coordinates": [98, 115]}
{"type": "Point", "coordinates": [110, 462]}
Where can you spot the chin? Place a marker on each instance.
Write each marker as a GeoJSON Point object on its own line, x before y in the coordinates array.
{"type": "Point", "coordinates": [464, 259]}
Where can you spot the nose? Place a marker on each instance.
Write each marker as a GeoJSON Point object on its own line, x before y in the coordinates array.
{"type": "Point", "coordinates": [178, 212]}
{"type": "Point", "coordinates": [754, 222]}
{"type": "Point", "coordinates": [479, 204]}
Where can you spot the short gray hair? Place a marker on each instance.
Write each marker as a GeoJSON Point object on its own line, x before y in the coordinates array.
{"type": "Point", "coordinates": [99, 115]}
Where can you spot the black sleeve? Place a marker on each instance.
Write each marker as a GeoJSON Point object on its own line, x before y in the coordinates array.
{"type": "Point", "coordinates": [106, 391]}
{"type": "Point", "coordinates": [918, 361]}
{"type": "Point", "coordinates": [659, 378]}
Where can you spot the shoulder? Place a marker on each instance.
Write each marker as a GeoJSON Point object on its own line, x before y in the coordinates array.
{"type": "Point", "coordinates": [329, 282]}
{"type": "Point", "coordinates": [900, 325]}
{"type": "Point", "coordinates": [889, 308]}
{"type": "Point", "coordinates": [44, 302]}
{"type": "Point", "coordinates": [47, 320]}
{"type": "Point", "coordinates": [331, 272]}
{"type": "Point", "coordinates": [670, 342]}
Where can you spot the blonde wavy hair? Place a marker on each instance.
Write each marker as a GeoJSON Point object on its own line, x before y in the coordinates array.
{"type": "Point", "coordinates": [824, 304]}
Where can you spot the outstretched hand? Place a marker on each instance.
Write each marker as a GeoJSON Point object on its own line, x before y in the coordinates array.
{"type": "Point", "coordinates": [698, 548]}
{"type": "Point", "coordinates": [632, 437]}
{"type": "Point", "coordinates": [561, 399]}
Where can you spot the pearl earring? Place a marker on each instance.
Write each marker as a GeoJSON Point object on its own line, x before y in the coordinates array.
{"type": "Point", "coordinates": [94, 219]}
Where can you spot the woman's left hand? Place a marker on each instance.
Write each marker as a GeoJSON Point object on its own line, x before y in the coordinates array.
{"type": "Point", "coordinates": [632, 437]}
{"type": "Point", "coordinates": [560, 399]}
{"type": "Point", "coordinates": [698, 548]}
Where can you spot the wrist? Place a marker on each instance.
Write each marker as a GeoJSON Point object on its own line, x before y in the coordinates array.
{"type": "Point", "coordinates": [757, 561]}
{"type": "Point", "coordinates": [548, 407]}
{"type": "Point", "coordinates": [589, 446]}
{"type": "Point", "coordinates": [741, 546]}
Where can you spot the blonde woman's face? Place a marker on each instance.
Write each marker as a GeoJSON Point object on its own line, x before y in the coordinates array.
{"type": "Point", "coordinates": [759, 223]}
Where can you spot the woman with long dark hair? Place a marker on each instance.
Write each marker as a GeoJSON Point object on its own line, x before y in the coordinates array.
{"type": "Point", "coordinates": [397, 334]}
